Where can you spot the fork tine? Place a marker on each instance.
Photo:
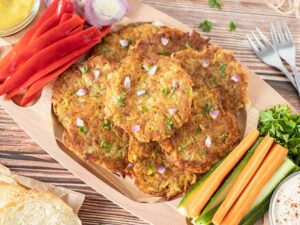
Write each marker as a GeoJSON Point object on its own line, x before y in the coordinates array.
{"type": "Point", "coordinates": [279, 29]}
{"type": "Point", "coordinates": [273, 34]}
{"type": "Point", "coordinates": [253, 46]}
{"type": "Point", "coordinates": [287, 31]}
{"type": "Point", "coordinates": [260, 44]}
{"type": "Point", "coordinates": [264, 38]}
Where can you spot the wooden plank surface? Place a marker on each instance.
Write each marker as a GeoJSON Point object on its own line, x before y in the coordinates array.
{"type": "Point", "coordinates": [22, 155]}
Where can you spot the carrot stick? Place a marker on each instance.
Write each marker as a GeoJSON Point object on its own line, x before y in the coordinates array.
{"type": "Point", "coordinates": [243, 179]}
{"type": "Point", "coordinates": [269, 166]}
{"type": "Point", "coordinates": [212, 183]}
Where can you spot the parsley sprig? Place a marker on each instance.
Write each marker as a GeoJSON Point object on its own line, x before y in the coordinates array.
{"type": "Point", "coordinates": [206, 25]}
{"type": "Point", "coordinates": [215, 4]}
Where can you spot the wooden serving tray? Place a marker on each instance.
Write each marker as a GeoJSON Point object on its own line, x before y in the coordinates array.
{"type": "Point", "coordinates": [38, 124]}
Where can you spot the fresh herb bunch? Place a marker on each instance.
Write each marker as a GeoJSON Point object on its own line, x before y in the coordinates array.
{"type": "Point", "coordinates": [280, 123]}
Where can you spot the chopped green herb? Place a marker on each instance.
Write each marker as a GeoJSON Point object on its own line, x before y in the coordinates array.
{"type": "Point", "coordinates": [130, 41]}
{"type": "Point", "coordinates": [163, 52]}
{"type": "Point", "coordinates": [169, 123]}
{"type": "Point", "coordinates": [202, 151]}
{"type": "Point", "coordinates": [198, 131]}
{"type": "Point", "coordinates": [146, 68]}
{"type": "Point", "coordinates": [215, 4]}
{"type": "Point", "coordinates": [147, 95]}
{"type": "Point", "coordinates": [187, 45]}
{"type": "Point", "coordinates": [151, 167]}
{"type": "Point", "coordinates": [223, 69]}
{"type": "Point", "coordinates": [84, 69]}
{"type": "Point", "coordinates": [105, 49]}
{"type": "Point", "coordinates": [165, 91]}
{"type": "Point", "coordinates": [181, 148]}
{"type": "Point", "coordinates": [105, 144]}
{"type": "Point", "coordinates": [207, 107]}
{"type": "Point", "coordinates": [232, 26]}
{"type": "Point", "coordinates": [143, 109]}
{"type": "Point", "coordinates": [206, 26]}
{"type": "Point", "coordinates": [172, 90]}
{"type": "Point", "coordinates": [83, 129]}
{"type": "Point", "coordinates": [118, 120]}
{"type": "Point", "coordinates": [107, 125]}
{"type": "Point", "coordinates": [121, 99]}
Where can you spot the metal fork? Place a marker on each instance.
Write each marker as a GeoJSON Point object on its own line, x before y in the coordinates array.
{"type": "Point", "coordinates": [266, 52]}
{"type": "Point", "coordinates": [284, 44]}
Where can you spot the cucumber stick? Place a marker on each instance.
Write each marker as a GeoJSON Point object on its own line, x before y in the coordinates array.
{"type": "Point", "coordinates": [213, 204]}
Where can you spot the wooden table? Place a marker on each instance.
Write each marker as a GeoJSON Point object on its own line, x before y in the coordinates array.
{"type": "Point", "coordinates": [22, 155]}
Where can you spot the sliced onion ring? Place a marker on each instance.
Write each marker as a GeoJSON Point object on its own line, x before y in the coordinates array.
{"type": "Point", "coordinates": [127, 83]}
{"type": "Point", "coordinates": [175, 84]}
{"type": "Point", "coordinates": [172, 111]}
{"type": "Point", "coordinates": [96, 74]}
{"type": "Point", "coordinates": [205, 63]}
{"type": "Point", "coordinates": [79, 122]}
{"type": "Point", "coordinates": [152, 71]}
{"type": "Point", "coordinates": [235, 78]}
{"type": "Point", "coordinates": [102, 13]}
{"type": "Point", "coordinates": [136, 128]}
{"type": "Point", "coordinates": [140, 92]}
{"type": "Point", "coordinates": [81, 92]}
{"type": "Point", "coordinates": [124, 43]}
{"type": "Point", "coordinates": [164, 41]}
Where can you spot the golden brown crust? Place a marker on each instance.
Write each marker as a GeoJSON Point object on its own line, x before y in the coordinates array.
{"type": "Point", "coordinates": [149, 111]}
{"type": "Point", "coordinates": [187, 148]}
{"type": "Point", "coordinates": [98, 141]}
{"type": "Point", "coordinates": [146, 159]}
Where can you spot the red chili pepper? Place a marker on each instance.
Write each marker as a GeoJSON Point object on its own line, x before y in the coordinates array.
{"type": "Point", "coordinates": [49, 58]}
{"type": "Point", "coordinates": [63, 7]}
{"type": "Point", "coordinates": [30, 32]}
{"type": "Point", "coordinates": [36, 87]}
{"type": "Point", "coordinates": [59, 32]}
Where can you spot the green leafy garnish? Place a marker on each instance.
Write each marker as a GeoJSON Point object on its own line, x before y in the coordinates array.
{"type": "Point", "coordinates": [151, 167]}
{"type": "Point", "coordinates": [202, 151]}
{"type": "Point", "coordinates": [163, 52]}
{"type": "Point", "coordinates": [198, 131]}
{"type": "Point", "coordinates": [165, 91]}
{"type": "Point", "coordinates": [84, 69]}
{"type": "Point", "coordinates": [105, 49]}
{"type": "Point", "coordinates": [181, 148]}
{"type": "Point", "coordinates": [215, 4]}
{"type": "Point", "coordinates": [121, 99]}
{"type": "Point", "coordinates": [284, 126]}
{"type": "Point", "coordinates": [207, 107]}
{"type": "Point", "coordinates": [143, 109]}
{"type": "Point", "coordinates": [187, 45]}
{"type": "Point", "coordinates": [172, 90]}
{"type": "Point", "coordinates": [83, 129]}
{"type": "Point", "coordinates": [206, 26]}
{"type": "Point", "coordinates": [107, 125]}
{"type": "Point", "coordinates": [169, 123]}
{"type": "Point", "coordinates": [223, 69]}
{"type": "Point", "coordinates": [105, 144]}
{"type": "Point", "coordinates": [232, 26]}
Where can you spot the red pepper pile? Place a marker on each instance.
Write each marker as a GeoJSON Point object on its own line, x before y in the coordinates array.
{"type": "Point", "coordinates": [52, 44]}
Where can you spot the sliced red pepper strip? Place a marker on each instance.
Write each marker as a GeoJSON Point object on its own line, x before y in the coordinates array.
{"type": "Point", "coordinates": [49, 58]}
{"type": "Point", "coordinates": [30, 32]}
{"type": "Point", "coordinates": [65, 17]}
{"type": "Point", "coordinates": [63, 7]}
{"type": "Point", "coordinates": [35, 88]}
{"type": "Point", "coordinates": [59, 32]}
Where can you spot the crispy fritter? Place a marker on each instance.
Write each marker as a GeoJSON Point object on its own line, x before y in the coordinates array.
{"type": "Point", "coordinates": [203, 140]}
{"type": "Point", "coordinates": [149, 163]}
{"type": "Point", "coordinates": [78, 102]}
{"type": "Point", "coordinates": [157, 85]}
{"type": "Point", "coordinates": [111, 48]}
{"type": "Point", "coordinates": [167, 41]}
{"type": "Point", "coordinates": [215, 67]}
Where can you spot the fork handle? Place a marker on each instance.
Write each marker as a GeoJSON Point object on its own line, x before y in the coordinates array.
{"type": "Point", "coordinates": [289, 76]}
{"type": "Point", "coordinates": [297, 77]}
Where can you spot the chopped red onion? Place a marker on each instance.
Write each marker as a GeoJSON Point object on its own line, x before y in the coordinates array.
{"type": "Point", "coordinates": [236, 78]}
{"type": "Point", "coordinates": [140, 92]}
{"type": "Point", "coordinates": [81, 92]}
{"type": "Point", "coordinates": [105, 12]}
{"type": "Point", "coordinates": [175, 84]}
{"type": "Point", "coordinates": [214, 114]}
{"type": "Point", "coordinates": [152, 71]}
{"type": "Point", "coordinates": [205, 63]}
{"type": "Point", "coordinates": [136, 128]}
{"type": "Point", "coordinates": [96, 74]}
{"type": "Point", "coordinates": [164, 41]}
{"type": "Point", "coordinates": [79, 6]}
{"type": "Point", "coordinates": [124, 43]}
{"type": "Point", "coordinates": [208, 142]}
{"type": "Point", "coordinates": [161, 169]}
{"type": "Point", "coordinates": [172, 111]}
{"type": "Point", "coordinates": [127, 82]}
{"type": "Point", "coordinates": [79, 122]}
{"type": "Point", "coordinates": [129, 165]}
